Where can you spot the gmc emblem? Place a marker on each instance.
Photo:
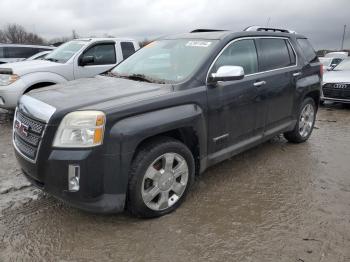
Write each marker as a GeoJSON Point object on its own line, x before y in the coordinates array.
{"type": "Point", "coordinates": [21, 128]}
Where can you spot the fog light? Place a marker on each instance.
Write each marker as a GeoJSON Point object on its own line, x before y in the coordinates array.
{"type": "Point", "coordinates": [73, 178]}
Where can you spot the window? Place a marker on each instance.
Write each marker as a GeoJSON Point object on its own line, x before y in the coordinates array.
{"type": "Point", "coordinates": [104, 54]}
{"type": "Point", "coordinates": [274, 54]}
{"type": "Point", "coordinates": [336, 61]}
{"type": "Point", "coordinates": [20, 52]}
{"type": "Point", "coordinates": [167, 60]}
{"type": "Point", "coordinates": [2, 53]}
{"type": "Point", "coordinates": [127, 49]}
{"type": "Point", "coordinates": [65, 51]}
{"type": "Point", "coordinates": [241, 53]}
{"type": "Point", "coordinates": [308, 50]}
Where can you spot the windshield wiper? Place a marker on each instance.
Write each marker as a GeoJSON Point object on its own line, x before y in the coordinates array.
{"type": "Point", "coordinates": [51, 59]}
{"type": "Point", "coordinates": [138, 77]}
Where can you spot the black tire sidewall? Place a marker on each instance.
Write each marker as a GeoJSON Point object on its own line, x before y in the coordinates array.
{"type": "Point", "coordinates": [139, 166]}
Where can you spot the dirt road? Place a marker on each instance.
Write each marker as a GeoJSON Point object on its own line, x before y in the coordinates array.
{"type": "Point", "coordinates": [276, 202]}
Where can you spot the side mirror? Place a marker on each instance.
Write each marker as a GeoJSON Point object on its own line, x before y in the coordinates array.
{"type": "Point", "coordinates": [86, 60]}
{"type": "Point", "coordinates": [333, 65]}
{"type": "Point", "coordinates": [227, 73]}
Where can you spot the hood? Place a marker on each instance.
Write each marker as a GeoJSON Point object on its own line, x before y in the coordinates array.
{"type": "Point", "coordinates": [336, 77]}
{"type": "Point", "coordinates": [96, 93]}
{"type": "Point", "coordinates": [25, 67]}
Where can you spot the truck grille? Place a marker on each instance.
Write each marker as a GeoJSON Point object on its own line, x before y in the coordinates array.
{"type": "Point", "coordinates": [337, 90]}
{"type": "Point", "coordinates": [27, 134]}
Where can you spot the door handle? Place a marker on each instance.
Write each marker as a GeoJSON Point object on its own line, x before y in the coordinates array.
{"type": "Point", "coordinates": [260, 83]}
{"type": "Point", "coordinates": [297, 74]}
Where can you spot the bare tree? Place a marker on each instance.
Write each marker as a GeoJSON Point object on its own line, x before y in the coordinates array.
{"type": "Point", "coordinates": [2, 37]}
{"type": "Point", "coordinates": [16, 34]}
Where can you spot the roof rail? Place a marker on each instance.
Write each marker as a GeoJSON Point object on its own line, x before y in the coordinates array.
{"type": "Point", "coordinates": [263, 28]}
{"type": "Point", "coordinates": [200, 30]}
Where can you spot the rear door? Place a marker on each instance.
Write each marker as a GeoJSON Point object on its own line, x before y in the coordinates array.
{"type": "Point", "coordinates": [105, 58]}
{"type": "Point", "coordinates": [278, 65]}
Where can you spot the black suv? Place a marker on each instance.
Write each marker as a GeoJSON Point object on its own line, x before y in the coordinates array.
{"type": "Point", "coordinates": [136, 136]}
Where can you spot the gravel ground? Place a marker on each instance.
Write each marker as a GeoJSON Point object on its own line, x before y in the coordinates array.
{"type": "Point", "coordinates": [276, 202]}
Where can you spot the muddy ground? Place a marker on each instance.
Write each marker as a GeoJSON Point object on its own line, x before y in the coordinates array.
{"type": "Point", "coordinates": [276, 202]}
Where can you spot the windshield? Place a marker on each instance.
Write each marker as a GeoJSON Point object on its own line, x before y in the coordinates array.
{"type": "Point", "coordinates": [165, 61]}
{"type": "Point", "coordinates": [325, 61]}
{"type": "Point", "coordinates": [344, 65]}
{"type": "Point", "coordinates": [64, 52]}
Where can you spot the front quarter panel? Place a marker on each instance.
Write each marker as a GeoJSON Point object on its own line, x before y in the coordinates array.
{"type": "Point", "coordinates": [125, 136]}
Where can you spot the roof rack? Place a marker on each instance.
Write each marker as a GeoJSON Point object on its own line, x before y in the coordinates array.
{"type": "Point", "coordinates": [200, 30]}
{"type": "Point", "coordinates": [262, 28]}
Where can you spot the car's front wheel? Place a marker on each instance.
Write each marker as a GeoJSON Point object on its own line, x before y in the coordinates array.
{"type": "Point", "coordinates": [160, 177]}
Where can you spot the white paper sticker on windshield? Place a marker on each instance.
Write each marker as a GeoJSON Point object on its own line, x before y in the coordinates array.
{"type": "Point", "coordinates": [198, 43]}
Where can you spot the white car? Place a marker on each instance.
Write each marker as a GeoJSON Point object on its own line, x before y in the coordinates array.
{"type": "Point", "coordinates": [336, 83]}
{"type": "Point", "coordinates": [78, 58]}
{"type": "Point", "coordinates": [329, 63]}
{"type": "Point", "coordinates": [15, 52]}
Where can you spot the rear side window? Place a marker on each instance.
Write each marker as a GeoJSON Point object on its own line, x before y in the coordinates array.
{"type": "Point", "coordinates": [127, 49]}
{"type": "Point", "coordinates": [20, 52]}
{"type": "Point", "coordinates": [307, 49]}
{"type": "Point", "coordinates": [274, 54]}
{"type": "Point", "coordinates": [241, 53]}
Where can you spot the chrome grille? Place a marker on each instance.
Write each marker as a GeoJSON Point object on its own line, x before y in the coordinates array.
{"type": "Point", "coordinates": [336, 90]}
{"type": "Point", "coordinates": [27, 135]}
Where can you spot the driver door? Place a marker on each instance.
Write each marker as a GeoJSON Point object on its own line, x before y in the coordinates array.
{"type": "Point", "coordinates": [104, 58]}
{"type": "Point", "coordinates": [236, 116]}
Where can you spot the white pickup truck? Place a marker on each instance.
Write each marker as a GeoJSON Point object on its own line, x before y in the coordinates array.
{"type": "Point", "coordinates": [78, 58]}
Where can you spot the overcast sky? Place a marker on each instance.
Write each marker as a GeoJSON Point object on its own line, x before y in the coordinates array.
{"type": "Point", "coordinates": [321, 20]}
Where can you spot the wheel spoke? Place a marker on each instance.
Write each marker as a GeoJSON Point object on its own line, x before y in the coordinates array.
{"type": "Point", "coordinates": [153, 173]}
{"type": "Point", "coordinates": [163, 200]}
{"type": "Point", "coordinates": [151, 194]}
{"type": "Point", "coordinates": [180, 169]}
{"type": "Point", "coordinates": [169, 161]}
{"type": "Point", "coordinates": [178, 188]}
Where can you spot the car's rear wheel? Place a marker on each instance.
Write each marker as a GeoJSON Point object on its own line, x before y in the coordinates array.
{"type": "Point", "coordinates": [305, 122]}
{"type": "Point", "coordinates": [160, 177]}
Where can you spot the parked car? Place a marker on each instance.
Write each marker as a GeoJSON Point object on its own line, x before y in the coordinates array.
{"type": "Point", "coordinates": [336, 83]}
{"type": "Point", "coordinates": [40, 55]}
{"type": "Point", "coordinates": [136, 137]}
{"type": "Point", "coordinates": [340, 54]}
{"type": "Point", "coordinates": [329, 63]}
{"type": "Point", "coordinates": [14, 53]}
{"type": "Point", "coordinates": [75, 59]}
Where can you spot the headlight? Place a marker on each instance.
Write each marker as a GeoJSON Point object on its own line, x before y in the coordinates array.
{"type": "Point", "coordinates": [81, 129]}
{"type": "Point", "coordinates": [6, 80]}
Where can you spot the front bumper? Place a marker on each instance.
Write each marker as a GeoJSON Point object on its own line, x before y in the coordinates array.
{"type": "Point", "coordinates": [9, 95]}
{"type": "Point", "coordinates": [51, 176]}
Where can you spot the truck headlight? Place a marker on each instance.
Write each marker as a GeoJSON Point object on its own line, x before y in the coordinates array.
{"type": "Point", "coordinates": [6, 79]}
{"type": "Point", "coordinates": [81, 129]}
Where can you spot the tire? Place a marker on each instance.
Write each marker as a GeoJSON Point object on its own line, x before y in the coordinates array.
{"type": "Point", "coordinates": [305, 122]}
{"type": "Point", "coordinates": [153, 178]}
